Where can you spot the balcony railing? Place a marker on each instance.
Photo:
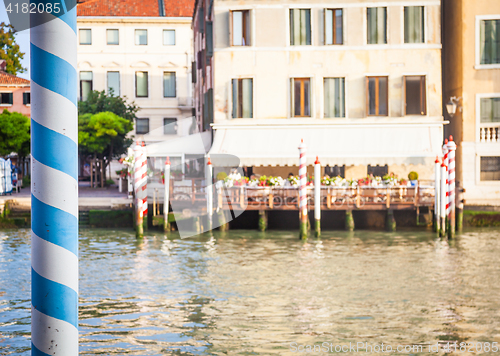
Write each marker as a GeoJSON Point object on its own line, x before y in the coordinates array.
{"type": "Point", "coordinates": [489, 132]}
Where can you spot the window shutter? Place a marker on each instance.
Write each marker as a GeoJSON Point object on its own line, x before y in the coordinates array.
{"type": "Point", "coordinates": [230, 28]}
{"type": "Point", "coordinates": [210, 98]}
{"type": "Point", "coordinates": [193, 72]}
{"type": "Point", "coordinates": [205, 112]}
{"type": "Point", "coordinates": [201, 20]}
{"type": "Point", "coordinates": [10, 98]}
{"type": "Point", "coordinates": [210, 39]}
{"type": "Point", "coordinates": [405, 104]}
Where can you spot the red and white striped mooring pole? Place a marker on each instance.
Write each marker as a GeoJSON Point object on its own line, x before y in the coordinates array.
{"type": "Point", "coordinates": [437, 195]}
{"type": "Point", "coordinates": [451, 186]}
{"type": "Point", "coordinates": [444, 192]}
{"type": "Point", "coordinates": [303, 190]}
{"type": "Point", "coordinates": [140, 187]}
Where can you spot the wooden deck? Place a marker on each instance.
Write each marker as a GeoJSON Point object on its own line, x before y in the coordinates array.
{"type": "Point", "coordinates": [286, 198]}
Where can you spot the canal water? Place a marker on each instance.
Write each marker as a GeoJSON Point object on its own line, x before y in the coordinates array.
{"type": "Point", "coordinates": [250, 293]}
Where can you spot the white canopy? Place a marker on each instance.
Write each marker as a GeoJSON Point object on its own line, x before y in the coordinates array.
{"type": "Point", "coordinates": [335, 144]}
{"type": "Point", "coordinates": [198, 143]}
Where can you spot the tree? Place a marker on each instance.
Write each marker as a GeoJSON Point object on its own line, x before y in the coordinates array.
{"type": "Point", "coordinates": [14, 133]}
{"type": "Point", "coordinates": [103, 136]}
{"type": "Point", "coordinates": [9, 50]}
{"type": "Point", "coordinates": [99, 101]}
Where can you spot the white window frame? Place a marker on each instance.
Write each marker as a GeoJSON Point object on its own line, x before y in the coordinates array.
{"type": "Point", "coordinates": [79, 39]}
{"type": "Point", "coordinates": [230, 88]}
{"type": "Point", "coordinates": [175, 36]}
{"type": "Point", "coordinates": [8, 92]}
{"type": "Point", "coordinates": [403, 94]}
{"type": "Point", "coordinates": [176, 122]}
{"type": "Point", "coordinates": [389, 77]}
{"type": "Point", "coordinates": [322, 101]}
{"type": "Point", "coordinates": [343, 25]}
{"type": "Point", "coordinates": [365, 27]}
{"type": "Point", "coordinates": [135, 85]}
{"type": "Point", "coordinates": [112, 29]}
{"type": "Point", "coordinates": [477, 38]}
{"type": "Point", "coordinates": [149, 125]}
{"type": "Point", "coordinates": [426, 26]}
{"type": "Point", "coordinates": [147, 36]}
{"type": "Point", "coordinates": [119, 81]}
{"type": "Point", "coordinates": [313, 24]}
{"type": "Point", "coordinates": [163, 84]}
{"type": "Point", "coordinates": [312, 82]}
{"type": "Point", "coordinates": [478, 112]}
{"type": "Point", "coordinates": [490, 152]}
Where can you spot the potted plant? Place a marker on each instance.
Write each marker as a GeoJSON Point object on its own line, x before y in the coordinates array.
{"type": "Point", "coordinates": [413, 178]}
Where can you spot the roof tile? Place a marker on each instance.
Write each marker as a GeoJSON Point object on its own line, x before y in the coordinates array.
{"type": "Point", "coordinates": [142, 8]}
{"type": "Point", "coordinates": [10, 79]}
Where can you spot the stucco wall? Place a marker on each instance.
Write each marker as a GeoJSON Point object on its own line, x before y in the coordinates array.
{"type": "Point", "coordinates": [271, 61]}
{"type": "Point", "coordinates": [155, 58]}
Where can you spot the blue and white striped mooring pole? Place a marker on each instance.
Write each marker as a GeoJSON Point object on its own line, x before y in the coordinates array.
{"type": "Point", "coordinates": [54, 186]}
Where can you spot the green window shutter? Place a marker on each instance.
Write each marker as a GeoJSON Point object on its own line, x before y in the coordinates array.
{"type": "Point", "coordinates": [201, 20]}
{"type": "Point", "coordinates": [193, 72]}
{"type": "Point", "coordinates": [210, 39]}
{"type": "Point", "coordinates": [210, 105]}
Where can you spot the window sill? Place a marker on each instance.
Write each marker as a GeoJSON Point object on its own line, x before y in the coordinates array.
{"type": "Point", "coordinates": [85, 44]}
{"type": "Point", "coordinates": [6, 105]}
{"type": "Point", "coordinates": [487, 66]}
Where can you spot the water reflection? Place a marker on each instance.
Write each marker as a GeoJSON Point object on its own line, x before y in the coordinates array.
{"type": "Point", "coordinates": [254, 293]}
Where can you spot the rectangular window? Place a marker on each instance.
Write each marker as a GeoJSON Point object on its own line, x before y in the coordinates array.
{"type": "Point", "coordinates": [85, 36]}
{"type": "Point", "coordinates": [415, 95]}
{"type": "Point", "coordinates": [169, 126]}
{"type": "Point", "coordinates": [240, 28]}
{"type": "Point", "coordinates": [141, 84]}
{"type": "Point", "coordinates": [377, 96]}
{"type": "Point", "coordinates": [376, 20]}
{"type": "Point", "coordinates": [169, 85]}
{"type": "Point", "coordinates": [26, 98]}
{"type": "Point", "coordinates": [6, 99]}
{"type": "Point", "coordinates": [490, 41]}
{"type": "Point", "coordinates": [490, 168]}
{"type": "Point", "coordinates": [378, 171]}
{"type": "Point", "coordinates": [85, 85]}
{"type": "Point", "coordinates": [169, 37]}
{"type": "Point", "coordinates": [141, 126]}
{"type": "Point", "coordinates": [333, 27]}
{"type": "Point", "coordinates": [490, 110]}
{"type": "Point", "coordinates": [335, 171]}
{"type": "Point", "coordinates": [242, 98]}
{"type": "Point", "coordinates": [301, 97]}
{"type": "Point", "coordinates": [334, 97]}
{"type": "Point", "coordinates": [300, 27]}
{"type": "Point", "coordinates": [141, 37]}
{"type": "Point", "coordinates": [112, 37]}
{"type": "Point", "coordinates": [114, 83]}
{"type": "Point", "coordinates": [414, 24]}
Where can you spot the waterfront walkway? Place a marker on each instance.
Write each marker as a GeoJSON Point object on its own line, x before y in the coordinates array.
{"type": "Point", "coordinates": [88, 198]}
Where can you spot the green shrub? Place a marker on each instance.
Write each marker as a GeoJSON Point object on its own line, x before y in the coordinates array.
{"type": "Point", "coordinates": [26, 181]}
{"type": "Point", "coordinates": [413, 175]}
{"type": "Point", "coordinates": [109, 181]}
{"type": "Point", "coordinates": [221, 176]}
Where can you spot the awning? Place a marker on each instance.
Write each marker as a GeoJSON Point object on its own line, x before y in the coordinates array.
{"type": "Point", "coordinates": [194, 144]}
{"type": "Point", "coordinates": [334, 144]}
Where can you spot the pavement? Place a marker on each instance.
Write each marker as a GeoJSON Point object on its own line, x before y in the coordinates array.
{"type": "Point", "coordinates": [88, 198]}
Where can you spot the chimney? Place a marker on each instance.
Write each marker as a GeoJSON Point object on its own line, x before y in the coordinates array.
{"type": "Point", "coordinates": [3, 65]}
